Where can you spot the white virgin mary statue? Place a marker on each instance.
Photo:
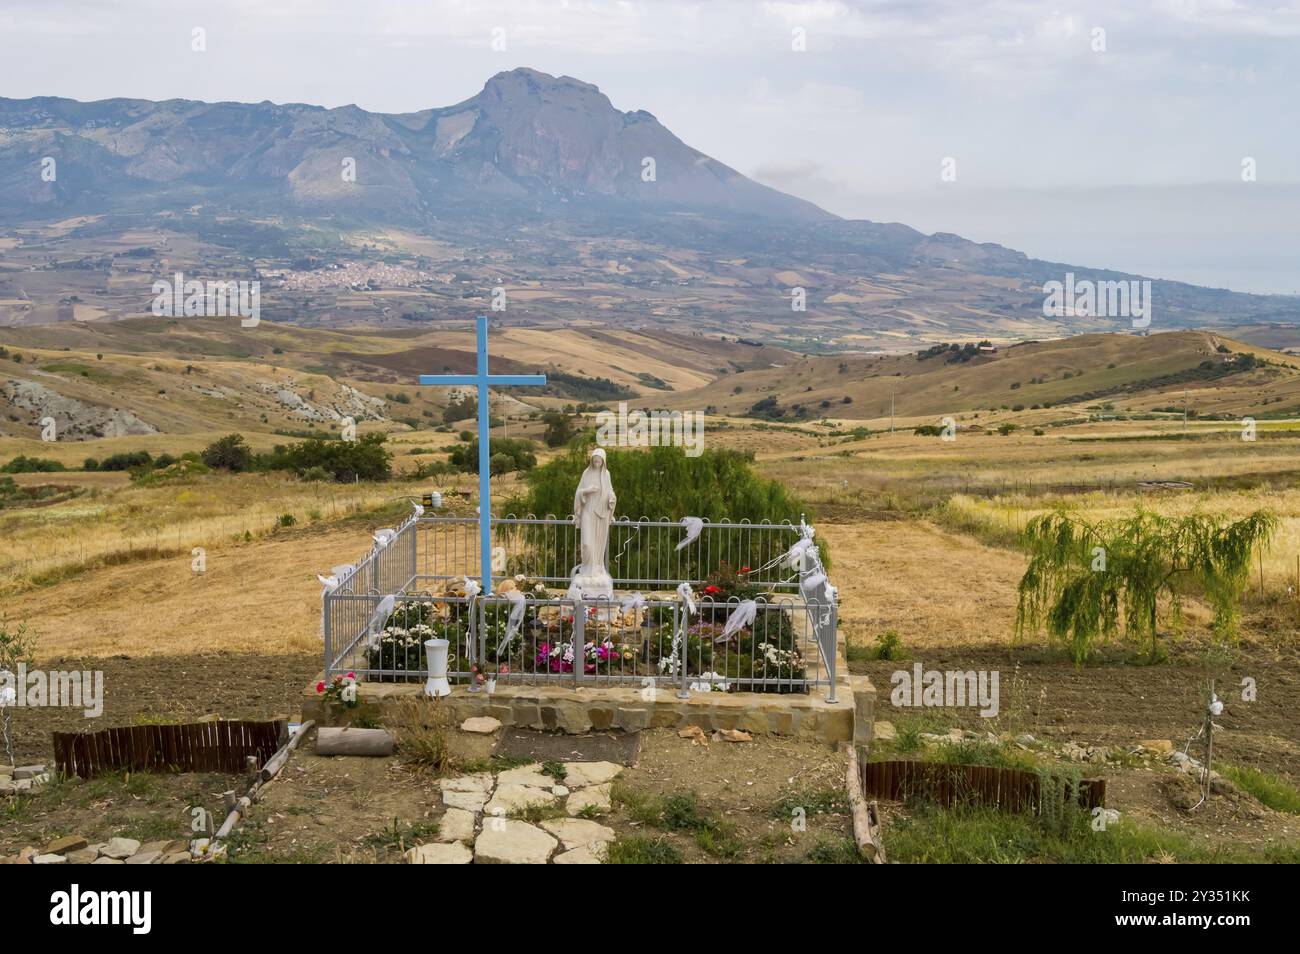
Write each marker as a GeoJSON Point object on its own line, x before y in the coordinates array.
{"type": "Point", "coordinates": [593, 510]}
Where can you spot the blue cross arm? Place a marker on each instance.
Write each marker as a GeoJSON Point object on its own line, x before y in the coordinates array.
{"type": "Point", "coordinates": [449, 380]}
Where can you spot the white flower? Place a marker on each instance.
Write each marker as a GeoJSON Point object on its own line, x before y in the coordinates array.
{"type": "Point", "coordinates": [715, 681]}
{"type": "Point", "coordinates": [349, 693]}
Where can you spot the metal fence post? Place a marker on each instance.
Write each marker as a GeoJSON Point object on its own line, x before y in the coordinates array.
{"type": "Point", "coordinates": [579, 643]}
{"type": "Point", "coordinates": [326, 634]}
{"type": "Point", "coordinates": [413, 528]}
{"type": "Point", "coordinates": [680, 616]}
{"type": "Point", "coordinates": [835, 650]}
{"type": "Point", "coordinates": [475, 635]}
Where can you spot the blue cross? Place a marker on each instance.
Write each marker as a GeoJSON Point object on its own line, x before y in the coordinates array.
{"type": "Point", "coordinates": [483, 380]}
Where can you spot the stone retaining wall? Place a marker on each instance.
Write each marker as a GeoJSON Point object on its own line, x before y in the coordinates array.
{"type": "Point", "coordinates": [580, 710]}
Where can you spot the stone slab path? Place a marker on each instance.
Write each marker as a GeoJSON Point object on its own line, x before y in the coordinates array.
{"type": "Point", "coordinates": [523, 816]}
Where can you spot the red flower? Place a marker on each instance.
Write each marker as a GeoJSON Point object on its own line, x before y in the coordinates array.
{"type": "Point", "coordinates": [320, 686]}
{"type": "Point", "coordinates": [712, 589]}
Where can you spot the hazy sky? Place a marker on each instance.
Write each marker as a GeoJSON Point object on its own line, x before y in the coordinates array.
{"type": "Point", "coordinates": [1119, 148]}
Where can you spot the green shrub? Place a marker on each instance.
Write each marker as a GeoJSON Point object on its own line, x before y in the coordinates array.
{"type": "Point", "coordinates": [662, 482]}
{"type": "Point", "coordinates": [228, 453]}
{"type": "Point", "coordinates": [361, 459]}
{"type": "Point", "coordinates": [505, 455]}
{"type": "Point", "coordinates": [466, 407]}
{"type": "Point", "coordinates": [889, 645]}
{"type": "Point", "coordinates": [640, 850]}
{"type": "Point", "coordinates": [559, 429]}
{"type": "Point", "coordinates": [32, 465]}
{"type": "Point", "coordinates": [127, 461]}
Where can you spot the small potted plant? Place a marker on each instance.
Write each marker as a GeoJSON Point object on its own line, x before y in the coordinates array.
{"type": "Point", "coordinates": [484, 678]}
{"type": "Point", "coordinates": [341, 689]}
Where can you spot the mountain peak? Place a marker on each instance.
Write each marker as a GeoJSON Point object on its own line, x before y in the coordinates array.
{"type": "Point", "coordinates": [527, 136]}
{"type": "Point", "coordinates": [535, 81]}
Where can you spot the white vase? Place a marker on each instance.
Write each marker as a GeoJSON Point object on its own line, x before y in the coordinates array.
{"type": "Point", "coordinates": [436, 653]}
{"type": "Point", "coordinates": [491, 686]}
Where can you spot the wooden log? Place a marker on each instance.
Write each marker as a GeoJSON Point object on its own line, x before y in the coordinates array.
{"type": "Point", "coordinates": [227, 826]}
{"type": "Point", "coordinates": [346, 741]}
{"type": "Point", "coordinates": [865, 819]}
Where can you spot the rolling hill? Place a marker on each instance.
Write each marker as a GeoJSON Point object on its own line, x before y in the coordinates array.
{"type": "Point", "coordinates": [1215, 374]}
{"type": "Point", "coordinates": [147, 379]}
{"type": "Point", "coordinates": [142, 377]}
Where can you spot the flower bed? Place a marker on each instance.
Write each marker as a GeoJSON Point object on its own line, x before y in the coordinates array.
{"type": "Point", "coordinates": [620, 644]}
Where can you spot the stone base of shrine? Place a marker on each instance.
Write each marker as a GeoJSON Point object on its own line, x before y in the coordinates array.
{"type": "Point", "coordinates": [578, 710]}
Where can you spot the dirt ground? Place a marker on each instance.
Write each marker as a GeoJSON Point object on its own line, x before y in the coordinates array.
{"type": "Point", "coordinates": [171, 689]}
{"type": "Point", "coordinates": [359, 810]}
{"type": "Point", "coordinates": [1117, 704]}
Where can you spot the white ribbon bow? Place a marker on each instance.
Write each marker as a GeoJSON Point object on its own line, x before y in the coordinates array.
{"type": "Point", "coordinates": [382, 612]}
{"type": "Point", "coordinates": [742, 616]}
{"type": "Point", "coordinates": [794, 556]}
{"type": "Point", "coordinates": [693, 527]}
{"type": "Point", "coordinates": [518, 605]}
{"type": "Point", "coordinates": [688, 597]}
{"type": "Point", "coordinates": [631, 604]}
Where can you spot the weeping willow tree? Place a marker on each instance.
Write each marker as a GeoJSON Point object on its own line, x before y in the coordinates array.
{"type": "Point", "coordinates": [1089, 581]}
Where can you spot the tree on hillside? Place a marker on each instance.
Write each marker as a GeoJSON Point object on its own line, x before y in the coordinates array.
{"type": "Point", "coordinates": [460, 410]}
{"type": "Point", "coordinates": [228, 453]}
{"type": "Point", "coordinates": [362, 459]}
{"type": "Point", "coordinates": [505, 454]}
{"type": "Point", "coordinates": [559, 429]}
{"type": "Point", "coordinates": [1086, 579]}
